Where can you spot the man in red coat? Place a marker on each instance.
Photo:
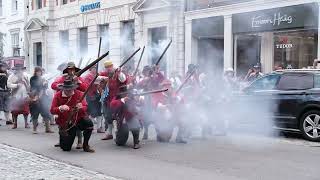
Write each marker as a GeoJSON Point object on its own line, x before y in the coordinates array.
{"type": "Point", "coordinates": [168, 108]}
{"type": "Point", "coordinates": [116, 79]}
{"type": "Point", "coordinates": [64, 103]}
{"type": "Point", "coordinates": [124, 108]}
{"type": "Point", "coordinates": [69, 73]}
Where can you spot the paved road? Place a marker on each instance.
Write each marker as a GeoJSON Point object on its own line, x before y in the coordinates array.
{"type": "Point", "coordinates": [231, 157]}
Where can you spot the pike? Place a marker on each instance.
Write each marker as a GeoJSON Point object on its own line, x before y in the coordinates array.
{"type": "Point", "coordinates": [79, 73]}
{"type": "Point", "coordinates": [99, 54]}
{"type": "Point", "coordinates": [186, 80]}
{"type": "Point", "coordinates": [145, 93]}
{"type": "Point", "coordinates": [74, 109]}
{"type": "Point", "coordinates": [163, 53]}
{"type": "Point", "coordinates": [130, 57]}
{"type": "Point", "coordinates": [137, 68]}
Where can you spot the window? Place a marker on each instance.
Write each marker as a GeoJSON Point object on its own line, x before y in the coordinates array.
{"type": "Point", "coordinates": [265, 83]}
{"type": "Point", "coordinates": [39, 4]}
{"type": "Point", "coordinates": [317, 81]}
{"type": "Point", "coordinates": [83, 41]}
{"type": "Point", "coordinates": [64, 39]}
{"type": "Point", "coordinates": [38, 54]}
{"type": "Point", "coordinates": [14, 6]}
{"type": "Point", "coordinates": [104, 34]}
{"type": "Point", "coordinates": [296, 81]}
{"type": "Point", "coordinates": [295, 50]}
{"type": "Point", "coordinates": [1, 45]}
{"type": "Point", "coordinates": [15, 44]}
{"type": "Point", "coordinates": [64, 1]}
{"type": "Point", "coordinates": [127, 41]}
{"type": "Point", "coordinates": [0, 7]}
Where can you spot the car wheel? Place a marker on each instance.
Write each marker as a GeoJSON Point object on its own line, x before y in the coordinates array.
{"type": "Point", "coordinates": [310, 125]}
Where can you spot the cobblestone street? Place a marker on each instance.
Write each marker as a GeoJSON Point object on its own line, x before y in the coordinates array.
{"type": "Point", "coordinates": [19, 164]}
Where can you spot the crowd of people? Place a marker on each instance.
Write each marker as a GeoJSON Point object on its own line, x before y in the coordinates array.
{"type": "Point", "coordinates": [117, 100]}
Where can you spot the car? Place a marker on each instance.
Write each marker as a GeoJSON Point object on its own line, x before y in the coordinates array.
{"type": "Point", "coordinates": [295, 97]}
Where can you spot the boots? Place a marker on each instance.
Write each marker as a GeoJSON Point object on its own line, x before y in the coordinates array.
{"type": "Point", "coordinates": [15, 123]}
{"type": "Point", "coordinates": [35, 126]}
{"type": "Point", "coordinates": [47, 124]}
{"type": "Point", "coordinates": [136, 141]}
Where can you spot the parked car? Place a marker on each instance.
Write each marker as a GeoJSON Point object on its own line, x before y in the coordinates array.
{"type": "Point", "coordinates": [295, 95]}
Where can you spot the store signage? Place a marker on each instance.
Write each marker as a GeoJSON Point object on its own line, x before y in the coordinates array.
{"type": "Point", "coordinates": [277, 20]}
{"type": "Point", "coordinates": [284, 46]}
{"type": "Point", "coordinates": [89, 7]}
{"type": "Point", "coordinates": [298, 16]}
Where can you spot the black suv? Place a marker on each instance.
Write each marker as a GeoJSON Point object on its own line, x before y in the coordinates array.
{"type": "Point", "coordinates": [297, 99]}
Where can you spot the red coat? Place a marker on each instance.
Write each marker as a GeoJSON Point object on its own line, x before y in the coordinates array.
{"type": "Point", "coordinates": [94, 88]}
{"type": "Point", "coordinates": [59, 100]}
{"type": "Point", "coordinates": [129, 109]}
{"type": "Point", "coordinates": [113, 85]}
{"type": "Point", "coordinates": [82, 85]}
{"type": "Point", "coordinates": [164, 99]}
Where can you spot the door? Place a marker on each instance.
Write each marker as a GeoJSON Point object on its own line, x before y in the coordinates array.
{"type": "Point", "coordinates": [292, 94]}
{"type": "Point", "coordinates": [248, 52]}
{"type": "Point", "coordinates": [38, 54]}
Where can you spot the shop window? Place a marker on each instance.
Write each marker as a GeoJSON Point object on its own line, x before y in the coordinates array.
{"type": "Point", "coordinates": [295, 50]}
{"type": "Point", "coordinates": [127, 40]}
{"type": "Point", "coordinates": [83, 41]}
{"type": "Point", "coordinates": [64, 1]}
{"type": "Point", "coordinates": [104, 34]}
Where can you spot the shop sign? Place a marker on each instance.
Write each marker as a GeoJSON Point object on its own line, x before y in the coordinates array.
{"type": "Point", "coordinates": [89, 7]}
{"type": "Point", "coordinates": [298, 16]}
{"type": "Point", "coordinates": [284, 46]}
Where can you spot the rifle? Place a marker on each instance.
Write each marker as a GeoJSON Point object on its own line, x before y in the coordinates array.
{"type": "Point", "coordinates": [79, 73]}
{"type": "Point", "coordinates": [163, 53]}
{"type": "Point", "coordinates": [99, 54]}
{"type": "Point", "coordinates": [75, 110]}
{"type": "Point", "coordinates": [144, 93]}
{"type": "Point", "coordinates": [137, 68]}
{"type": "Point", "coordinates": [186, 80]}
{"type": "Point", "coordinates": [128, 59]}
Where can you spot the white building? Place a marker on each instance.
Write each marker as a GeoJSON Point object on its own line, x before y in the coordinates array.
{"type": "Point", "coordinates": [12, 20]}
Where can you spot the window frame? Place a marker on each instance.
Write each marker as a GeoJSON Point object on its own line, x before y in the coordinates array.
{"type": "Point", "coordinates": [251, 88]}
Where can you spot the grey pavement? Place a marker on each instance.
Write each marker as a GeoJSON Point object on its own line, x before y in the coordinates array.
{"type": "Point", "coordinates": [231, 157]}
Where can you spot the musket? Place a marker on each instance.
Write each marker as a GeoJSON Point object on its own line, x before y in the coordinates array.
{"type": "Point", "coordinates": [144, 93]}
{"type": "Point", "coordinates": [137, 68]}
{"type": "Point", "coordinates": [74, 109]}
{"type": "Point", "coordinates": [128, 59]}
{"type": "Point", "coordinates": [80, 62]}
{"type": "Point", "coordinates": [163, 53]}
{"type": "Point", "coordinates": [88, 62]}
{"type": "Point", "coordinates": [186, 80]}
{"type": "Point", "coordinates": [97, 70]}
{"type": "Point", "coordinates": [79, 73]}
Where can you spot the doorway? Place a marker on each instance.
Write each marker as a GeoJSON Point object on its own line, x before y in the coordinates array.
{"type": "Point", "coordinates": [248, 52]}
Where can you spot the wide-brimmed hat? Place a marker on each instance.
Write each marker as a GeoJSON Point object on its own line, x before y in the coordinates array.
{"type": "Point", "coordinates": [62, 66]}
{"type": "Point", "coordinates": [18, 67]}
{"type": "Point", "coordinates": [70, 65]}
{"type": "Point", "coordinates": [68, 85]}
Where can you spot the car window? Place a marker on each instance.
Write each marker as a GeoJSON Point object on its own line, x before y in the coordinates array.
{"type": "Point", "coordinates": [265, 83]}
{"type": "Point", "coordinates": [296, 81]}
{"type": "Point", "coordinates": [317, 80]}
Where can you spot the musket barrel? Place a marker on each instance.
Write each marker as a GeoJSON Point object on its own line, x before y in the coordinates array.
{"type": "Point", "coordinates": [128, 59]}
{"type": "Point", "coordinates": [79, 73]}
{"type": "Point", "coordinates": [163, 53]}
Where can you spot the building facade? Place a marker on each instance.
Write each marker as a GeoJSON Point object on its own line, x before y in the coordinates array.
{"type": "Point", "coordinates": [63, 30]}
{"type": "Point", "coordinates": [240, 34]}
{"type": "Point", "coordinates": [12, 18]}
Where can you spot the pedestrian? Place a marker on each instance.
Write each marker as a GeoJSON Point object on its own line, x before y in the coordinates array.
{"type": "Point", "coordinates": [4, 92]}
{"type": "Point", "coordinates": [18, 82]}
{"type": "Point", "coordinates": [39, 100]}
{"type": "Point", "coordinates": [66, 105]}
